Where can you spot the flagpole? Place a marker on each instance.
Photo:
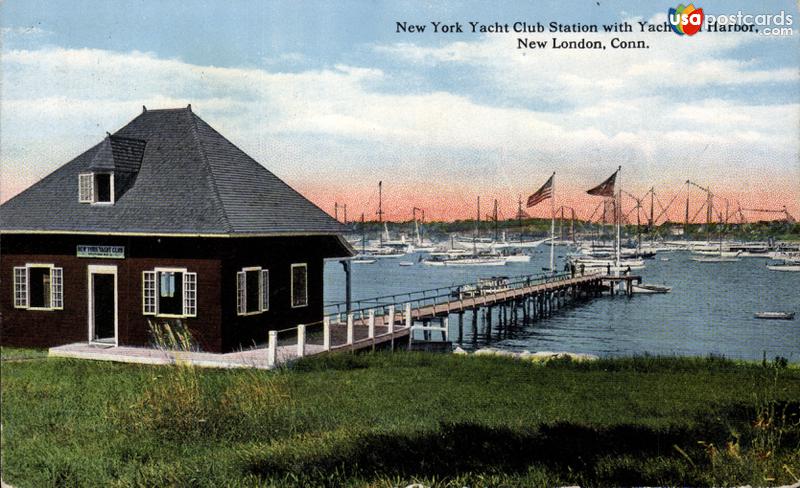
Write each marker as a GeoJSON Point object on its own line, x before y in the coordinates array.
{"type": "Point", "coordinates": [553, 223]}
{"type": "Point", "coordinates": [619, 212]}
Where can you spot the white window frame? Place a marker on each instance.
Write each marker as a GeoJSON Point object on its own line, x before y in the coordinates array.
{"type": "Point", "coordinates": [83, 197]}
{"type": "Point", "coordinates": [188, 308]}
{"type": "Point", "coordinates": [92, 197]}
{"type": "Point", "coordinates": [241, 290]}
{"type": "Point", "coordinates": [151, 285]}
{"type": "Point", "coordinates": [56, 288]}
{"type": "Point", "coordinates": [291, 284]}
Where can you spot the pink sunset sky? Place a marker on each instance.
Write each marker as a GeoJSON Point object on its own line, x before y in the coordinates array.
{"type": "Point", "coordinates": [440, 120]}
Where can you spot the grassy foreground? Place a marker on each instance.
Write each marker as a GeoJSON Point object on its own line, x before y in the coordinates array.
{"type": "Point", "coordinates": [389, 420]}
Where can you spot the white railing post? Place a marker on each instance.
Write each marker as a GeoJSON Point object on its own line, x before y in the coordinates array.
{"type": "Point", "coordinates": [349, 328]}
{"type": "Point", "coordinates": [408, 315]}
{"type": "Point", "coordinates": [272, 348]}
{"type": "Point", "coordinates": [326, 334]}
{"type": "Point", "coordinates": [301, 340]}
{"type": "Point", "coordinates": [371, 325]}
{"type": "Point", "coordinates": [390, 323]}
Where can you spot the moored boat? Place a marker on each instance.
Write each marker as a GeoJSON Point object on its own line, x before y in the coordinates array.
{"type": "Point", "coordinates": [716, 259]}
{"type": "Point", "coordinates": [775, 315]}
{"type": "Point", "coordinates": [466, 261]}
{"type": "Point", "coordinates": [645, 288]}
{"type": "Point", "coordinates": [787, 266]}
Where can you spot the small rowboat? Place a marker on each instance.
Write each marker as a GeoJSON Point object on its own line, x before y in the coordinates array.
{"type": "Point", "coordinates": [775, 315]}
{"type": "Point", "coordinates": [642, 288]}
{"type": "Point", "coordinates": [717, 259]}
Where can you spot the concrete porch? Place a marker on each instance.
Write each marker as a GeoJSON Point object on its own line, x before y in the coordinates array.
{"type": "Point", "coordinates": [252, 358]}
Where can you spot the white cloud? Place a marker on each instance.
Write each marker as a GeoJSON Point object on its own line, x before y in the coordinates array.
{"type": "Point", "coordinates": [319, 124]}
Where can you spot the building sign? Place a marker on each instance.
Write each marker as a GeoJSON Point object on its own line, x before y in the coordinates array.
{"type": "Point", "coordinates": [105, 252]}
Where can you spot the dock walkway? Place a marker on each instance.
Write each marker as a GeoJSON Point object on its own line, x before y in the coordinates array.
{"type": "Point", "coordinates": [389, 322]}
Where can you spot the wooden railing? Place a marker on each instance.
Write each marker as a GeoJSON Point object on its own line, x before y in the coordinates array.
{"type": "Point", "coordinates": [337, 329]}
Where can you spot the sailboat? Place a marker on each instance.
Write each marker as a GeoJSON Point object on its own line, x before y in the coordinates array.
{"type": "Point", "coordinates": [386, 248]}
{"type": "Point", "coordinates": [465, 259]}
{"type": "Point", "coordinates": [363, 257]}
{"type": "Point", "coordinates": [721, 257]}
{"type": "Point", "coordinates": [419, 245]}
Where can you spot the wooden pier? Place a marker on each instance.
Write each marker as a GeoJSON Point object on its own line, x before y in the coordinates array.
{"type": "Point", "coordinates": [528, 299]}
{"type": "Point", "coordinates": [398, 321]}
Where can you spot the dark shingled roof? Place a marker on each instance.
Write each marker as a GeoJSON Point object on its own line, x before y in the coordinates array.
{"type": "Point", "coordinates": [190, 180]}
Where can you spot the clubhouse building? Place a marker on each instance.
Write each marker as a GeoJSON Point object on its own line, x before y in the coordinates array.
{"type": "Point", "coordinates": [163, 220]}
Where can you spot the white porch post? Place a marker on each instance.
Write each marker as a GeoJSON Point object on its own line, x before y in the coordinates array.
{"type": "Point", "coordinates": [272, 346]}
{"type": "Point", "coordinates": [326, 334]}
{"type": "Point", "coordinates": [390, 322]}
{"type": "Point", "coordinates": [349, 328]}
{"type": "Point", "coordinates": [371, 325]}
{"type": "Point", "coordinates": [301, 340]}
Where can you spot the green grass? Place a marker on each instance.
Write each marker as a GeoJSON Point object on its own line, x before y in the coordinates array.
{"type": "Point", "coordinates": [389, 420]}
{"type": "Point", "coordinates": [20, 354]}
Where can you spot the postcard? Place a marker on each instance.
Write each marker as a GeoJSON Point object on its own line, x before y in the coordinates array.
{"type": "Point", "coordinates": [395, 244]}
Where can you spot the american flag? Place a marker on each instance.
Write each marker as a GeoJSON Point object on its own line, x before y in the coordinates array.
{"type": "Point", "coordinates": [606, 188]}
{"type": "Point", "coordinates": [542, 194]}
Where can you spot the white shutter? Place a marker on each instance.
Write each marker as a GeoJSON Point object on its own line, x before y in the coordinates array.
{"type": "Point", "coordinates": [57, 288]}
{"type": "Point", "coordinates": [241, 293]}
{"type": "Point", "coordinates": [86, 188]}
{"type": "Point", "coordinates": [21, 287]}
{"type": "Point", "coordinates": [190, 294]}
{"type": "Point", "coordinates": [264, 295]}
{"type": "Point", "coordinates": [149, 293]}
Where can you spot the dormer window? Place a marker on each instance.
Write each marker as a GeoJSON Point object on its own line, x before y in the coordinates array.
{"type": "Point", "coordinates": [96, 188]}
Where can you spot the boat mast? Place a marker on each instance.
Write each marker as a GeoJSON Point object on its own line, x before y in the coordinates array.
{"type": "Point", "coordinates": [380, 213]}
{"type": "Point", "coordinates": [686, 221]}
{"type": "Point", "coordinates": [519, 216]}
{"type": "Point", "coordinates": [572, 224]}
{"type": "Point", "coordinates": [638, 226]}
{"type": "Point", "coordinates": [363, 235]}
{"type": "Point", "coordinates": [553, 223]}
{"type": "Point", "coordinates": [652, 222]}
{"type": "Point", "coordinates": [475, 234]}
{"type": "Point", "coordinates": [618, 211]}
{"type": "Point", "coordinates": [495, 221]}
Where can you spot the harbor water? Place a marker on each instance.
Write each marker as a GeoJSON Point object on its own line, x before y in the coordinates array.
{"type": "Point", "coordinates": [709, 311]}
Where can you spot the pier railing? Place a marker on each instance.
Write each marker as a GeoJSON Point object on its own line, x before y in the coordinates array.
{"type": "Point", "coordinates": [435, 295]}
{"type": "Point", "coordinates": [378, 319]}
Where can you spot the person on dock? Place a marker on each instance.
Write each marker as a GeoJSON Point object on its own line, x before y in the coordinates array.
{"type": "Point", "coordinates": [583, 268]}
{"type": "Point", "coordinates": [572, 269]}
{"type": "Point", "coordinates": [628, 271]}
{"type": "Point", "coordinates": [608, 269]}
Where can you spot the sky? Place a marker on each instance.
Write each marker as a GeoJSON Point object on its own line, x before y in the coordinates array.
{"type": "Point", "coordinates": [330, 97]}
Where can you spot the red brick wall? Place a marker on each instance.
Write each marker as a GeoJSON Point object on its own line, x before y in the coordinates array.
{"type": "Point", "coordinates": [216, 328]}
{"type": "Point", "coordinates": [35, 328]}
